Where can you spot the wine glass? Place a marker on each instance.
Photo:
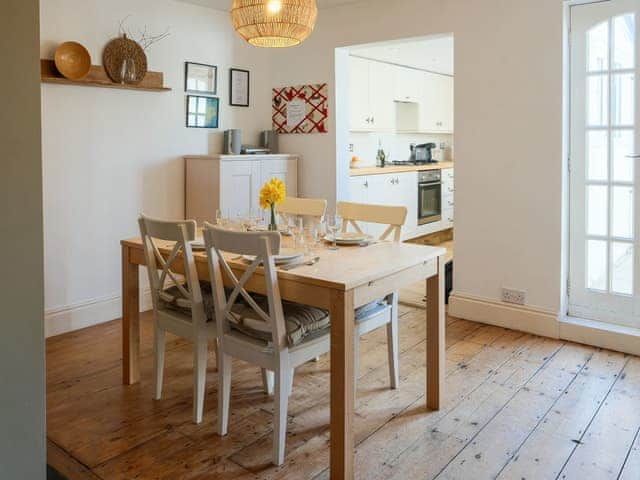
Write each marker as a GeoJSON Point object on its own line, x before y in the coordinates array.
{"type": "Point", "coordinates": [221, 220]}
{"type": "Point", "coordinates": [334, 224]}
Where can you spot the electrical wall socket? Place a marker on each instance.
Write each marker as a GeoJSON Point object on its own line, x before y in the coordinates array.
{"type": "Point", "coordinates": [517, 297]}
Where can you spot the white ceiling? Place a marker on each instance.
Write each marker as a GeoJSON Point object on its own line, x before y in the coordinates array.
{"type": "Point", "coordinates": [432, 53]}
{"type": "Point", "coordinates": [226, 4]}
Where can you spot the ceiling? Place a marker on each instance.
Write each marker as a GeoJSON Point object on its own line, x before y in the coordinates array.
{"type": "Point", "coordinates": [431, 53]}
{"type": "Point", "coordinates": [226, 4]}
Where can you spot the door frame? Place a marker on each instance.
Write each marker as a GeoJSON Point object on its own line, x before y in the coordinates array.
{"type": "Point", "coordinates": [581, 330]}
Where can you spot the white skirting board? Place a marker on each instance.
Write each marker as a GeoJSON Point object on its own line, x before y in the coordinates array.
{"type": "Point", "coordinates": [86, 314]}
{"type": "Point", "coordinates": [515, 317]}
{"type": "Point", "coordinates": [603, 335]}
{"type": "Point", "coordinates": [545, 323]}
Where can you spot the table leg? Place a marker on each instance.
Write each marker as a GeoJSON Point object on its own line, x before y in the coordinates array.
{"type": "Point", "coordinates": [342, 388]}
{"type": "Point", "coordinates": [435, 337]}
{"type": "Point", "coordinates": [130, 319]}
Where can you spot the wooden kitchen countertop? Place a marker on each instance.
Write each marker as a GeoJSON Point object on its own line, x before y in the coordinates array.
{"type": "Point", "coordinates": [358, 172]}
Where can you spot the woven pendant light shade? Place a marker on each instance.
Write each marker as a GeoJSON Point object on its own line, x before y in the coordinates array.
{"type": "Point", "coordinates": [274, 23]}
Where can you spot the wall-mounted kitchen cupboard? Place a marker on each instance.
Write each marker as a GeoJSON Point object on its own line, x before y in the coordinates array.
{"type": "Point", "coordinates": [232, 183]}
{"type": "Point", "coordinates": [436, 103]}
{"type": "Point", "coordinates": [371, 105]}
{"type": "Point", "coordinates": [386, 97]}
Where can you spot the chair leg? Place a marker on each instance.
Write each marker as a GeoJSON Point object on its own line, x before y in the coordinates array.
{"type": "Point", "coordinates": [158, 357]}
{"type": "Point", "coordinates": [392, 343]}
{"type": "Point", "coordinates": [292, 372]}
{"type": "Point", "coordinates": [281, 405]}
{"type": "Point", "coordinates": [267, 381]}
{"type": "Point", "coordinates": [200, 352]}
{"type": "Point", "coordinates": [224, 391]}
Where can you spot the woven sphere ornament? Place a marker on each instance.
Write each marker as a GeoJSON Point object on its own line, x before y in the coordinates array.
{"type": "Point", "coordinates": [274, 23]}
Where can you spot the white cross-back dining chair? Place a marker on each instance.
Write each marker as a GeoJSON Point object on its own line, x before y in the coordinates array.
{"type": "Point", "coordinates": [385, 310]}
{"type": "Point", "coordinates": [264, 330]}
{"type": "Point", "coordinates": [313, 208]}
{"type": "Point", "coordinates": [179, 302]}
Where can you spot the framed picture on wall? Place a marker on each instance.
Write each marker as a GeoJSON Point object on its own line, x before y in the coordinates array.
{"type": "Point", "coordinates": [238, 87]}
{"type": "Point", "coordinates": [202, 112]}
{"type": "Point", "coordinates": [200, 78]}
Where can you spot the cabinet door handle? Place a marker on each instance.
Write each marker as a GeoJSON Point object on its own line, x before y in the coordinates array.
{"type": "Point", "coordinates": [366, 184]}
{"type": "Point", "coordinates": [450, 203]}
{"type": "Point", "coordinates": [452, 189]}
{"type": "Point", "coordinates": [373, 120]}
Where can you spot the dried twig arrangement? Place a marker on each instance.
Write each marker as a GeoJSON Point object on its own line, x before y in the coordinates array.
{"type": "Point", "coordinates": [144, 38]}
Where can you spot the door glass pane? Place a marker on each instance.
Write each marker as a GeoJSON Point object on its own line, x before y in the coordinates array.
{"type": "Point", "coordinates": [597, 152]}
{"type": "Point", "coordinates": [598, 47]}
{"type": "Point", "coordinates": [597, 264]}
{"type": "Point", "coordinates": [597, 100]}
{"type": "Point", "coordinates": [623, 99]}
{"type": "Point", "coordinates": [622, 212]}
{"type": "Point", "coordinates": [597, 209]}
{"type": "Point", "coordinates": [622, 268]}
{"type": "Point", "coordinates": [623, 146]}
{"type": "Point", "coordinates": [624, 33]}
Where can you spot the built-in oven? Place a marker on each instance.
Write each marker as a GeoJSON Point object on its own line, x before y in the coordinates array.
{"type": "Point", "coordinates": [429, 197]}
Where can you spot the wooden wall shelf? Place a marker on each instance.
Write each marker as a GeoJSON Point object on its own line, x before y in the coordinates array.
{"type": "Point", "coordinates": [97, 77]}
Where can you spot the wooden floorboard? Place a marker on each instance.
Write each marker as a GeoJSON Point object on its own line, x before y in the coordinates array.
{"type": "Point", "coordinates": [516, 406]}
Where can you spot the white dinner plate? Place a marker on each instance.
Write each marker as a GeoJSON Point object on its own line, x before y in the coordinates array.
{"type": "Point", "coordinates": [348, 238]}
{"type": "Point", "coordinates": [286, 255]}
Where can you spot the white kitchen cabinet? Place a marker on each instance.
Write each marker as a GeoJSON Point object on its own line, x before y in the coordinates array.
{"type": "Point", "coordinates": [436, 103]}
{"type": "Point", "coordinates": [240, 184]}
{"type": "Point", "coordinates": [407, 84]}
{"type": "Point", "coordinates": [380, 97]}
{"type": "Point", "coordinates": [371, 106]}
{"type": "Point", "coordinates": [232, 183]}
{"type": "Point", "coordinates": [358, 189]}
{"type": "Point", "coordinates": [283, 168]}
{"type": "Point", "coordinates": [359, 112]}
{"type": "Point", "coordinates": [394, 189]}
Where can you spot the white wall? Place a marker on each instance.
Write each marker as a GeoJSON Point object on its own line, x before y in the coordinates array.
{"type": "Point", "coordinates": [22, 357]}
{"type": "Point", "coordinates": [508, 142]}
{"type": "Point", "coordinates": [110, 154]}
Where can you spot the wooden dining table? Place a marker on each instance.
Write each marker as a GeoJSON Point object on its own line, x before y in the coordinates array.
{"type": "Point", "coordinates": [339, 282]}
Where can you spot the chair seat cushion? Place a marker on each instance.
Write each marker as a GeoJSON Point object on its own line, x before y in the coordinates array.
{"type": "Point", "coordinates": [172, 299]}
{"type": "Point", "coordinates": [303, 322]}
{"type": "Point", "coordinates": [370, 309]}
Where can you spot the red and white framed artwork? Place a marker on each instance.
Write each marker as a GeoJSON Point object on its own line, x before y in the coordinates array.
{"type": "Point", "coordinates": [302, 109]}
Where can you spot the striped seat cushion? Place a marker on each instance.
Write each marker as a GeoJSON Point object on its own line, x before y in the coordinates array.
{"type": "Point", "coordinates": [172, 299]}
{"type": "Point", "coordinates": [302, 322]}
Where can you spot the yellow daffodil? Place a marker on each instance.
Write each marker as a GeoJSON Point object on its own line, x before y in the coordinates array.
{"type": "Point", "coordinates": [273, 192]}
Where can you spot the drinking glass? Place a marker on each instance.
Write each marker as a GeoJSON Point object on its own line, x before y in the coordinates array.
{"type": "Point", "coordinates": [221, 220]}
{"type": "Point", "coordinates": [334, 224]}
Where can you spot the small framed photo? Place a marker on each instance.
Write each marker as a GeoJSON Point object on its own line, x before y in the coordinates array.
{"type": "Point", "coordinates": [202, 112]}
{"type": "Point", "coordinates": [200, 78]}
{"type": "Point", "coordinates": [239, 88]}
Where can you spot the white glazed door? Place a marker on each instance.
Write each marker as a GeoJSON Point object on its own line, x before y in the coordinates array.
{"type": "Point", "coordinates": [604, 280]}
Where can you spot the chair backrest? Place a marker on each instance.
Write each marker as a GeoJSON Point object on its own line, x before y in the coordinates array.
{"type": "Point", "coordinates": [261, 245]}
{"type": "Point", "coordinates": [307, 207]}
{"type": "Point", "coordinates": [352, 213]}
{"type": "Point", "coordinates": [159, 268]}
